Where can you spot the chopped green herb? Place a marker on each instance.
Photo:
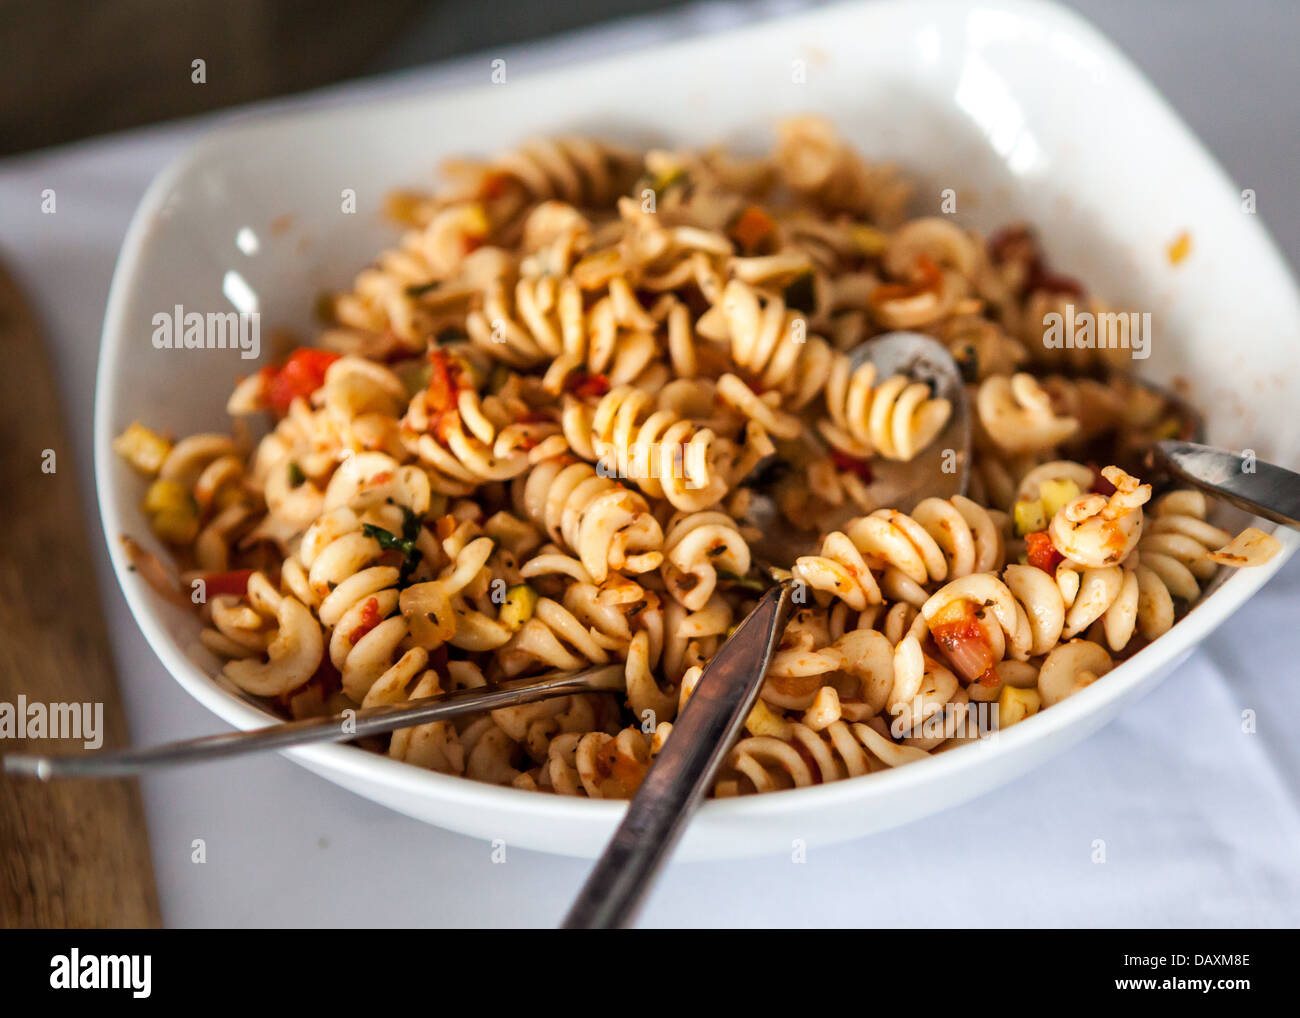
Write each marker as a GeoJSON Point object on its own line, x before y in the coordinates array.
{"type": "Point", "coordinates": [296, 476]}
{"type": "Point", "coordinates": [406, 544]}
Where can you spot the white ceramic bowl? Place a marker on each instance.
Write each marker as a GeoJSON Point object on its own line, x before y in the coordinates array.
{"type": "Point", "coordinates": [1021, 107]}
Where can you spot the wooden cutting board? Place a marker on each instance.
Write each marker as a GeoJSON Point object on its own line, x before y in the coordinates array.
{"type": "Point", "coordinates": [72, 853]}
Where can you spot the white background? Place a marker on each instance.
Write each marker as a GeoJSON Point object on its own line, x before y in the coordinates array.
{"type": "Point", "coordinates": [1199, 820]}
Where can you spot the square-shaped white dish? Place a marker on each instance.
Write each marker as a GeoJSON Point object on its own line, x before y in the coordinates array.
{"type": "Point", "coordinates": [1020, 107]}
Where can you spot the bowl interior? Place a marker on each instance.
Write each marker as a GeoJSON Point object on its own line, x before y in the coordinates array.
{"type": "Point", "coordinates": [1020, 109]}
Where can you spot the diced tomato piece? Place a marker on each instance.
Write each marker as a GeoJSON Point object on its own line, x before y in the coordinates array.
{"type": "Point", "coordinates": [233, 582]}
{"type": "Point", "coordinates": [369, 619]}
{"type": "Point", "coordinates": [843, 461]}
{"type": "Point", "coordinates": [1042, 553]}
{"type": "Point", "coordinates": [585, 385]}
{"type": "Point", "coordinates": [752, 227]}
{"type": "Point", "coordinates": [962, 639]}
{"type": "Point", "coordinates": [301, 375]}
{"type": "Point", "coordinates": [445, 381]}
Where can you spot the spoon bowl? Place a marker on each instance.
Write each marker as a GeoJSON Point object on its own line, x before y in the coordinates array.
{"type": "Point", "coordinates": [941, 469]}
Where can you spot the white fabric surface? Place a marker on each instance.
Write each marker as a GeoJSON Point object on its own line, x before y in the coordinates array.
{"type": "Point", "coordinates": [1199, 820]}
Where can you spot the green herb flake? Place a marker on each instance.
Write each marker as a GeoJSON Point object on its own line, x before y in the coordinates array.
{"type": "Point", "coordinates": [406, 544]}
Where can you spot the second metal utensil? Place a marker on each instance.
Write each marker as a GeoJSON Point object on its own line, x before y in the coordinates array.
{"type": "Point", "coordinates": [1264, 489]}
{"type": "Point", "coordinates": [342, 727]}
{"type": "Point", "coordinates": [680, 775]}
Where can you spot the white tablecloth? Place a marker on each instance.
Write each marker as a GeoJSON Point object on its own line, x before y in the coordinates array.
{"type": "Point", "coordinates": [1200, 820]}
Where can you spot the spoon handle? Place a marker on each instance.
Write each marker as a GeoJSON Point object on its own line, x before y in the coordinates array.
{"type": "Point", "coordinates": [1258, 487]}
{"type": "Point", "coordinates": [684, 768]}
{"type": "Point", "coordinates": [342, 727]}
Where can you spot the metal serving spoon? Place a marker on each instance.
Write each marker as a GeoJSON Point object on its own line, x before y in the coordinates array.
{"type": "Point", "coordinates": [701, 737]}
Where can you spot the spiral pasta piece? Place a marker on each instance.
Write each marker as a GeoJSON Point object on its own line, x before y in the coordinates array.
{"type": "Point", "coordinates": [1098, 530]}
{"type": "Point", "coordinates": [337, 570]}
{"type": "Point", "coordinates": [940, 539]}
{"type": "Point", "coordinates": [435, 746]}
{"type": "Point", "coordinates": [1177, 543]}
{"type": "Point", "coordinates": [276, 626]}
{"type": "Point", "coordinates": [465, 441]}
{"type": "Point", "coordinates": [1018, 416]}
{"type": "Point", "coordinates": [577, 170]}
{"type": "Point", "coordinates": [696, 546]}
{"type": "Point", "coordinates": [896, 419]}
{"type": "Point", "coordinates": [598, 765]}
{"type": "Point", "coordinates": [607, 526]}
{"type": "Point", "coordinates": [665, 456]}
{"type": "Point", "coordinates": [839, 570]}
{"type": "Point", "coordinates": [770, 343]}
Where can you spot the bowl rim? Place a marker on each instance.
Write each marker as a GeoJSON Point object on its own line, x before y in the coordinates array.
{"type": "Point", "coordinates": [788, 804]}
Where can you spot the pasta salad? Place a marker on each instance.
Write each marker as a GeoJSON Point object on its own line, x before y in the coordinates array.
{"type": "Point", "coordinates": [532, 434]}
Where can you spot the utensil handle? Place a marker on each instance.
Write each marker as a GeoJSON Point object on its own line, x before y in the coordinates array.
{"type": "Point", "coordinates": [1265, 489]}
{"type": "Point", "coordinates": [683, 769]}
{"type": "Point", "coordinates": [340, 727]}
